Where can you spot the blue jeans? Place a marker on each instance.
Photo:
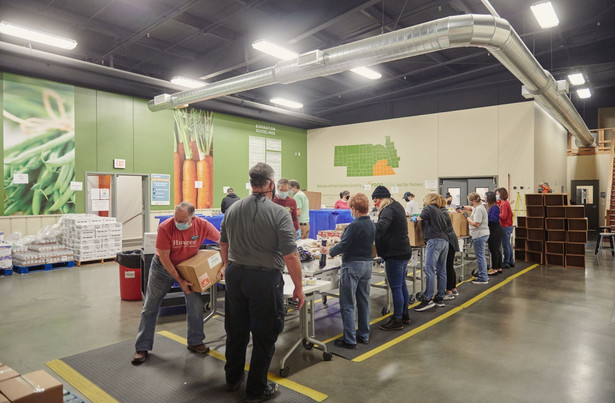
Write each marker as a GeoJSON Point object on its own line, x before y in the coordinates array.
{"type": "Point", "coordinates": [354, 286]}
{"type": "Point", "coordinates": [435, 264]}
{"type": "Point", "coordinates": [158, 285]}
{"type": "Point", "coordinates": [508, 251]}
{"type": "Point", "coordinates": [479, 251]}
{"type": "Point", "coordinates": [396, 276]}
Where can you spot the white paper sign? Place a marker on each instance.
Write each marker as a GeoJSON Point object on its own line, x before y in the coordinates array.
{"type": "Point", "coordinates": [198, 184]}
{"type": "Point", "coordinates": [248, 186]}
{"type": "Point", "coordinates": [225, 189]}
{"type": "Point", "coordinates": [20, 178]}
{"type": "Point", "coordinates": [367, 187]}
{"type": "Point", "coordinates": [100, 205]}
{"type": "Point", "coordinates": [104, 194]}
{"type": "Point", "coordinates": [431, 184]}
{"type": "Point", "coordinates": [94, 194]}
{"type": "Point", "coordinates": [214, 260]}
{"type": "Point", "coordinates": [76, 186]}
{"type": "Point", "coordinates": [394, 189]}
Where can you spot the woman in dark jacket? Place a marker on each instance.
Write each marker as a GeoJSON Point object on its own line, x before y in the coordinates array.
{"type": "Point", "coordinates": [496, 233]}
{"type": "Point", "coordinates": [453, 247]}
{"type": "Point", "coordinates": [393, 245]}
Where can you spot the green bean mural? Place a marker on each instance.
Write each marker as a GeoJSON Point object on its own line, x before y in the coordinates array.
{"type": "Point", "coordinates": [39, 146]}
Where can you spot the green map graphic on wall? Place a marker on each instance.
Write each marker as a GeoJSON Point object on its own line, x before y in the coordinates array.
{"type": "Point", "coordinates": [367, 159]}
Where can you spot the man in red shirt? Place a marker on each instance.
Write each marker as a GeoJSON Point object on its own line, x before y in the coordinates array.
{"type": "Point", "coordinates": [283, 198]}
{"type": "Point", "coordinates": [178, 239]}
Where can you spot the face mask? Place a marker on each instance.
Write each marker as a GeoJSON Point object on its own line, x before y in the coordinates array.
{"type": "Point", "coordinates": [347, 197]}
{"type": "Point", "coordinates": [291, 192]}
{"type": "Point", "coordinates": [283, 195]}
{"type": "Point", "coordinates": [182, 225]}
{"type": "Point", "coordinates": [377, 204]}
{"type": "Point", "coordinates": [497, 197]}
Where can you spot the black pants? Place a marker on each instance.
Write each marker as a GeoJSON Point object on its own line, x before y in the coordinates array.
{"type": "Point", "coordinates": [451, 276]}
{"type": "Point", "coordinates": [495, 249]}
{"type": "Point", "coordinates": [254, 303]}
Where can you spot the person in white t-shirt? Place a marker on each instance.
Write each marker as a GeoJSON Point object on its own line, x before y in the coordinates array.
{"type": "Point", "coordinates": [412, 207]}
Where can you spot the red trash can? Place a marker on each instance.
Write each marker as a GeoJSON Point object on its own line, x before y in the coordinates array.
{"type": "Point", "coordinates": [130, 275]}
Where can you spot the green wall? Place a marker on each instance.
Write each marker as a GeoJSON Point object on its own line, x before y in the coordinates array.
{"type": "Point", "coordinates": [109, 126]}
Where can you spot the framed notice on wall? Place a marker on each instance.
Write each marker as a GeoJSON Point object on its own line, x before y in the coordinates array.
{"type": "Point", "coordinates": [161, 190]}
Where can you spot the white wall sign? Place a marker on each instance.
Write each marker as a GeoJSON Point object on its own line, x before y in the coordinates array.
{"type": "Point", "coordinates": [394, 189]}
{"type": "Point", "coordinates": [119, 163]}
{"type": "Point", "coordinates": [100, 205]}
{"type": "Point", "coordinates": [225, 189]}
{"type": "Point", "coordinates": [95, 194]}
{"type": "Point", "coordinates": [104, 194]}
{"type": "Point", "coordinates": [20, 178]}
{"type": "Point", "coordinates": [431, 184]}
{"type": "Point", "coordinates": [198, 184]}
{"type": "Point", "coordinates": [248, 186]}
{"type": "Point", "coordinates": [78, 186]}
{"type": "Point", "coordinates": [367, 187]}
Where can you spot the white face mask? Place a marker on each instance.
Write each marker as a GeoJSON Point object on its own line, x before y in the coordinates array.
{"type": "Point", "coordinates": [283, 195]}
{"type": "Point", "coordinates": [497, 197]}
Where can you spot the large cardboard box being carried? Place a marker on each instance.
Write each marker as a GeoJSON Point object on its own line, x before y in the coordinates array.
{"type": "Point", "coordinates": [415, 233]}
{"type": "Point", "coordinates": [201, 269]}
{"type": "Point", "coordinates": [35, 387]}
{"type": "Point", "coordinates": [460, 224]}
{"type": "Point", "coordinates": [7, 372]}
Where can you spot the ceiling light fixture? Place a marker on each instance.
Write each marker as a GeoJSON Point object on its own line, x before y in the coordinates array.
{"type": "Point", "coordinates": [545, 14]}
{"type": "Point", "coordinates": [367, 73]}
{"type": "Point", "coordinates": [286, 102]}
{"type": "Point", "coordinates": [36, 36]}
{"type": "Point", "coordinates": [576, 79]}
{"type": "Point", "coordinates": [274, 50]}
{"type": "Point", "coordinates": [584, 93]}
{"type": "Point", "coordinates": [187, 82]}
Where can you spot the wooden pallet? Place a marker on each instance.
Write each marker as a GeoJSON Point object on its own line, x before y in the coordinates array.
{"type": "Point", "coordinates": [94, 261]}
{"type": "Point", "coordinates": [43, 267]}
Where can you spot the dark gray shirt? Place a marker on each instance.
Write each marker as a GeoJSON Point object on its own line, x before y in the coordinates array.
{"type": "Point", "coordinates": [259, 233]}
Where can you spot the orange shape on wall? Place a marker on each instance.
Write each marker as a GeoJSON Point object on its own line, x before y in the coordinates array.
{"type": "Point", "coordinates": [382, 168]}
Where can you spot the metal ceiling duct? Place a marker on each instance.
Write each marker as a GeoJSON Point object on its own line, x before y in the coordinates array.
{"type": "Point", "coordinates": [486, 31]}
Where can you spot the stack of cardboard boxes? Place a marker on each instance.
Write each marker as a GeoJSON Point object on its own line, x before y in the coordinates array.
{"type": "Point", "coordinates": [415, 230]}
{"type": "Point", "coordinates": [37, 386]}
{"type": "Point", "coordinates": [91, 237]}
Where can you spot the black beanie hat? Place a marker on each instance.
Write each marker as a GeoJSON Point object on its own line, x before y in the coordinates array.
{"type": "Point", "coordinates": [381, 192]}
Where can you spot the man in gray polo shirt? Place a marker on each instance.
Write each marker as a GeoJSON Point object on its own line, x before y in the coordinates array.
{"type": "Point", "coordinates": [257, 240]}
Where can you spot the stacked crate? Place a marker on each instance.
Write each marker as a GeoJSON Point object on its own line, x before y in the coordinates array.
{"type": "Point", "coordinates": [520, 239]}
{"type": "Point", "coordinates": [91, 237]}
{"type": "Point", "coordinates": [576, 236]}
{"type": "Point", "coordinates": [555, 225]}
{"type": "Point", "coordinates": [535, 227]}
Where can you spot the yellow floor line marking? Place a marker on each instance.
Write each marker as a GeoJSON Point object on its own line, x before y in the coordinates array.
{"type": "Point", "coordinates": [440, 318]}
{"type": "Point", "coordinates": [304, 390]}
{"type": "Point", "coordinates": [81, 383]}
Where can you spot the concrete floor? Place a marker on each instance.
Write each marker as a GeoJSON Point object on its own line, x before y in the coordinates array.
{"type": "Point", "coordinates": [548, 336]}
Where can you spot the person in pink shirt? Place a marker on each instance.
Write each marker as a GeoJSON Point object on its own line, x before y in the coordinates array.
{"type": "Point", "coordinates": [506, 221]}
{"type": "Point", "coordinates": [342, 203]}
{"type": "Point", "coordinates": [178, 239]}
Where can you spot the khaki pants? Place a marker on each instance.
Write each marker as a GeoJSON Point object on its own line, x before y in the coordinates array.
{"type": "Point", "coordinates": [305, 230]}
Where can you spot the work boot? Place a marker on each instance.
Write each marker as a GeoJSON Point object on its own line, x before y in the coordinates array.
{"type": "Point", "coordinates": [139, 357]}
{"type": "Point", "coordinates": [199, 348]}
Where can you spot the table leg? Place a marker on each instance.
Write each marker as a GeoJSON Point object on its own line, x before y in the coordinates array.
{"type": "Point", "coordinates": [213, 296]}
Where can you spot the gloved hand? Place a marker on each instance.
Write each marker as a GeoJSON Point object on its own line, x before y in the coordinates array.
{"type": "Point", "coordinates": [414, 219]}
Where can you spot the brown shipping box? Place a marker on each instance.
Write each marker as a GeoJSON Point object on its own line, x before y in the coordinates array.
{"type": "Point", "coordinates": [7, 372]}
{"type": "Point", "coordinates": [415, 233]}
{"type": "Point", "coordinates": [3, 399]}
{"type": "Point", "coordinates": [460, 224]}
{"type": "Point", "coordinates": [34, 387]}
{"type": "Point", "coordinates": [314, 199]}
{"type": "Point", "coordinates": [201, 269]}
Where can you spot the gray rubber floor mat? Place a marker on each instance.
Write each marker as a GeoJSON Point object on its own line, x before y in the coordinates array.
{"type": "Point", "coordinates": [379, 337]}
{"type": "Point", "coordinates": [171, 374]}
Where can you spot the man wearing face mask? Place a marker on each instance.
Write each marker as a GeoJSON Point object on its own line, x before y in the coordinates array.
{"type": "Point", "coordinates": [257, 241]}
{"type": "Point", "coordinates": [283, 198]}
{"type": "Point", "coordinates": [178, 239]}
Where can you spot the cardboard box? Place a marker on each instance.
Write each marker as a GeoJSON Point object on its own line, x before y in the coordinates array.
{"type": "Point", "coordinates": [34, 387]}
{"type": "Point", "coordinates": [3, 399]}
{"type": "Point", "coordinates": [415, 233]}
{"type": "Point", "coordinates": [149, 242]}
{"type": "Point", "coordinates": [201, 270]}
{"type": "Point", "coordinates": [7, 372]}
{"type": "Point", "coordinates": [314, 198]}
{"type": "Point", "coordinates": [460, 224]}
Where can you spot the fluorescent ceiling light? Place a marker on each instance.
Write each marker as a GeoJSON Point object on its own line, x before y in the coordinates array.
{"type": "Point", "coordinates": [286, 102]}
{"type": "Point", "coordinates": [187, 82]}
{"type": "Point", "coordinates": [576, 79]}
{"type": "Point", "coordinates": [545, 14]}
{"type": "Point", "coordinates": [367, 73]}
{"type": "Point", "coordinates": [274, 50]}
{"type": "Point", "coordinates": [36, 36]}
{"type": "Point", "coordinates": [584, 93]}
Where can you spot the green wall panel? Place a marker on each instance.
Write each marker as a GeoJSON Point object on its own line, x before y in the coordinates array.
{"type": "Point", "coordinates": [153, 143]}
{"type": "Point", "coordinates": [2, 143]}
{"type": "Point", "coordinates": [114, 130]}
{"type": "Point", "coordinates": [86, 157]}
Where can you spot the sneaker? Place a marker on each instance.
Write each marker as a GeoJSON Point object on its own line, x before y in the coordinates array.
{"type": "Point", "coordinates": [439, 302]}
{"type": "Point", "coordinates": [362, 341]}
{"type": "Point", "coordinates": [139, 357]}
{"type": "Point", "coordinates": [341, 343]}
{"type": "Point", "coordinates": [448, 296]}
{"type": "Point", "coordinates": [233, 386]}
{"type": "Point", "coordinates": [425, 305]}
{"type": "Point", "coordinates": [392, 324]}
{"type": "Point", "coordinates": [455, 292]}
{"type": "Point", "coordinates": [271, 392]}
{"type": "Point", "coordinates": [199, 348]}
{"type": "Point", "coordinates": [477, 281]}
{"type": "Point", "coordinates": [405, 318]}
